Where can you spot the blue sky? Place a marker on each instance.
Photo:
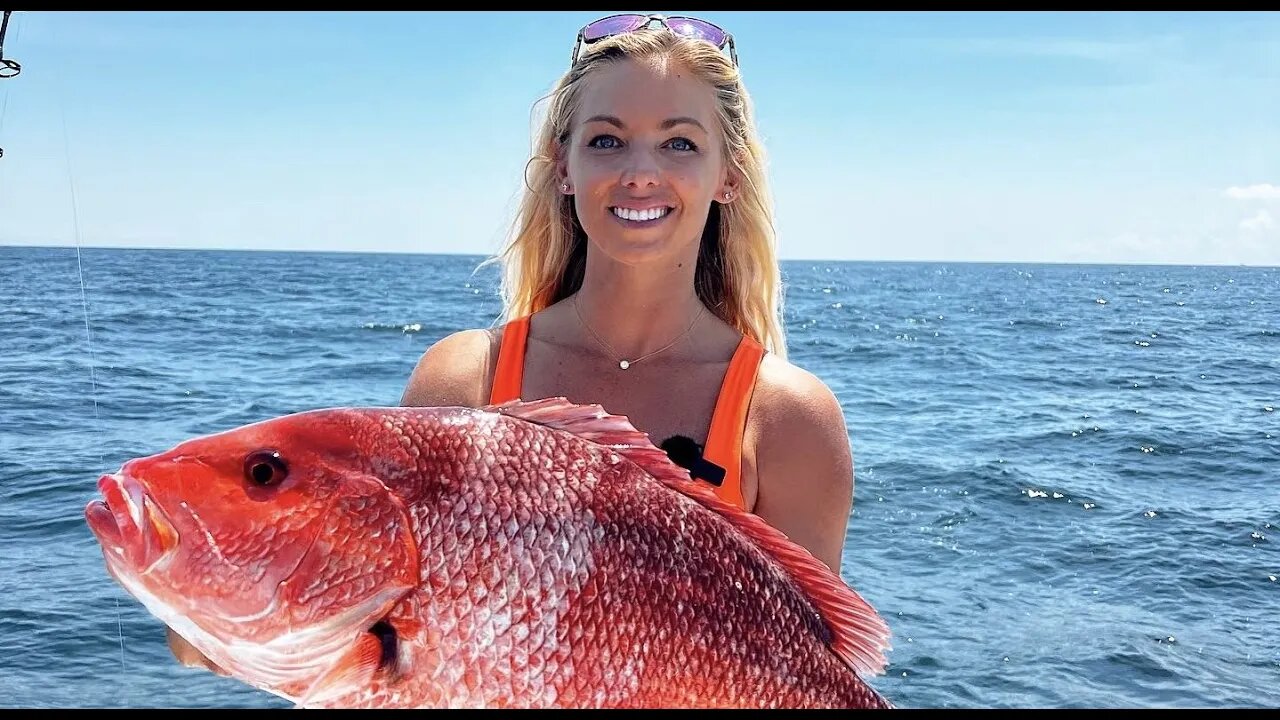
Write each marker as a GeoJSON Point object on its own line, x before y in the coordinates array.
{"type": "Point", "coordinates": [1023, 137]}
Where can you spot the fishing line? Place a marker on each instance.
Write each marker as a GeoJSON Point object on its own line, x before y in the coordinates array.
{"type": "Point", "coordinates": [84, 301]}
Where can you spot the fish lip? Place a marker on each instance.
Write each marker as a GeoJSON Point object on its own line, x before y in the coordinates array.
{"type": "Point", "coordinates": [130, 525]}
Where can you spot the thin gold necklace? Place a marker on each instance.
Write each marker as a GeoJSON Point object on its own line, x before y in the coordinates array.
{"type": "Point", "coordinates": [624, 363]}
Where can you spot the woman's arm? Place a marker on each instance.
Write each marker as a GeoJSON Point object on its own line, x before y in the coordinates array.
{"type": "Point", "coordinates": [452, 372]}
{"type": "Point", "coordinates": [804, 465]}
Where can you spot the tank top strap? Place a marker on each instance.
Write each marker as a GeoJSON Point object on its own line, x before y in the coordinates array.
{"type": "Point", "coordinates": [508, 376]}
{"type": "Point", "coordinates": [729, 420]}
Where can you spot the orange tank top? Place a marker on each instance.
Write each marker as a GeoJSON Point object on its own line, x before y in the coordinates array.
{"type": "Point", "coordinates": [728, 420]}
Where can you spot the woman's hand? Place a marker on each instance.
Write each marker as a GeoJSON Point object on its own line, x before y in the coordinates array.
{"type": "Point", "coordinates": [188, 655]}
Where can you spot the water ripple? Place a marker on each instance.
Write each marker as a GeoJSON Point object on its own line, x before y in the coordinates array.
{"type": "Point", "coordinates": [1059, 468]}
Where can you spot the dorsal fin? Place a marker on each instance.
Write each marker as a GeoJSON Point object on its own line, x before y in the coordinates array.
{"type": "Point", "coordinates": [860, 636]}
{"type": "Point", "coordinates": [591, 422]}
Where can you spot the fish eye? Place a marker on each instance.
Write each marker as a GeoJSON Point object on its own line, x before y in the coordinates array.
{"type": "Point", "coordinates": [265, 468]}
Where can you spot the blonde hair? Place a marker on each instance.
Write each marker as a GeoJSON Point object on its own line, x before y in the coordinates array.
{"type": "Point", "coordinates": [737, 275]}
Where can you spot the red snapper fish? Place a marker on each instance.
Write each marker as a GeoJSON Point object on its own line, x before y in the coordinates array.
{"type": "Point", "coordinates": [530, 554]}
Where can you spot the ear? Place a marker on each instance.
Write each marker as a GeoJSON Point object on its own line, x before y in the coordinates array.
{"type": "Point", "coordinates": [728, 191]}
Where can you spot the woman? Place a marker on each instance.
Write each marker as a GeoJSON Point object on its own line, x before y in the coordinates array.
{"type": "Point", "coordinates": [642, 277]}
{"type": "Point", "coordinates": [643, 269]}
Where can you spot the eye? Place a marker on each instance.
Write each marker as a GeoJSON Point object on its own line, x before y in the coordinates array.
{"type": "Point", "coordinates": [604, 142]}
{"type": "Point", "coordinates": [683, 145]}
{"type": "Point", "coordinates": [265, 468]}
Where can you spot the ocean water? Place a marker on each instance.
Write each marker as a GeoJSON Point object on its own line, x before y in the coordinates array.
{"type": "Point", "coordinates": [1067, 477]}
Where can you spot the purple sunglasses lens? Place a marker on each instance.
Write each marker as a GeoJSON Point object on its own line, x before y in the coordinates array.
{"type": "Point", "coordinates": [695, 28]}
{"type": "Point", "coordinates": [612, 26]}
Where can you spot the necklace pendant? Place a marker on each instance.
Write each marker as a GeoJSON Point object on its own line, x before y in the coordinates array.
{"type": "Point", "coordinates": [624, 364]}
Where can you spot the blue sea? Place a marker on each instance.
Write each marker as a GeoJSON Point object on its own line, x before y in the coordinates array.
{"type": "Point", "coordinates": [1067, 477]}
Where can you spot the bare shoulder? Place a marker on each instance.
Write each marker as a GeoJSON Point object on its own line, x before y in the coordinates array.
{"type": "Point", "coordinates": [455, 370]}
{"type": "Point", "coordinates": [793, 405]}
{"type": "Point", "coordinates": [803, 460]}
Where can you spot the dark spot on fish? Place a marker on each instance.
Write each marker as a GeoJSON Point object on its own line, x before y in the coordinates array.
{"type": "Point", "coordinates": [686, 453]}
{"type": "Point", "coordinates": [388, 639]}
{"type": "Point", "coordinates": [265, 468]}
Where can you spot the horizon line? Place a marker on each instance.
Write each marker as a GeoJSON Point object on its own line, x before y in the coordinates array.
{"type": "Point", "coordinates": [1089, 263]}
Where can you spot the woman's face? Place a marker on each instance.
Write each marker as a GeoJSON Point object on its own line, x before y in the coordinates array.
{"type": "Point", "coordinates": [644, 161]}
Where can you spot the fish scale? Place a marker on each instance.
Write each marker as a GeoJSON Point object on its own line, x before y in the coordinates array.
{"type": "Point", "coordinates": [539, 554]}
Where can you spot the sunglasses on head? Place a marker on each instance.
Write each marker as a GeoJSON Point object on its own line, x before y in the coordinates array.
{"type": "Point", "coordinates": [688, 27]}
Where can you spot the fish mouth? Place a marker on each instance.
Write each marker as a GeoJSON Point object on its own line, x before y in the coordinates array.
{"type": "Point", "coordinates": [130, 525]}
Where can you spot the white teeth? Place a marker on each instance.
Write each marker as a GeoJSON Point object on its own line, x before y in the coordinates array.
{"type": "Point", "coordinates": [641, 215]}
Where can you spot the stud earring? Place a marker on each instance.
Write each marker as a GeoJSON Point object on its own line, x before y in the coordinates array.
{"type": "Point", "coordinates": [564, 187]}
{"type": "Point", "coordinates": [728, 195]}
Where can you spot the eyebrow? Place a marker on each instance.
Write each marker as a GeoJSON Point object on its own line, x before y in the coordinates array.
{"type": "Point", "coordinates": [666, 124]}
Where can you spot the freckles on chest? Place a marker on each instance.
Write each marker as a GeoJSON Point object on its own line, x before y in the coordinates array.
{"type": "Point", "coordinates": [581, 379]}
{"type": "Point", "coordinates": [659, 400]}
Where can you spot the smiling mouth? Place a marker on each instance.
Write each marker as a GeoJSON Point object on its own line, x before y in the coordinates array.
{"type": "Point", "coordinates": [640, 216]}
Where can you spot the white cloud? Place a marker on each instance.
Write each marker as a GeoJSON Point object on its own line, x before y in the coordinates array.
{"type": "Point", "coordinates": [1261, 221]}
{"type": "Point", "coordinates": [1261, 191]}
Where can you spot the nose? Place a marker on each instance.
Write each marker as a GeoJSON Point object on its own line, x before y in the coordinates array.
{"type": "Point", "coordinates": [641, 170]}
